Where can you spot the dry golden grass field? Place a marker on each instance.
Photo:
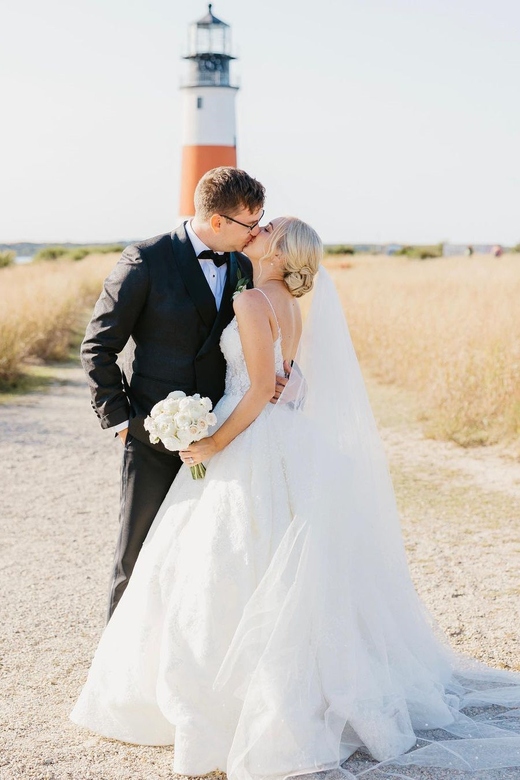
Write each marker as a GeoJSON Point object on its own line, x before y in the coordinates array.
{"type": "Point", "coordinates": [41, 307]}
{"type": "Point", "coordinates": [446, 330]}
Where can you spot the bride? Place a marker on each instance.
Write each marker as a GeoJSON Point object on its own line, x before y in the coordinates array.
{"type": "Point", "coordinates": [270, 627]}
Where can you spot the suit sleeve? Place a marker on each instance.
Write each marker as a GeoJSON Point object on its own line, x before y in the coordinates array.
{"type": "Point", "coordinates": [118, 308]}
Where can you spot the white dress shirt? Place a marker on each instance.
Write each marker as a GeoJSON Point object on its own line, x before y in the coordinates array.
{"type": "Point", "coordinates": [215, 276]}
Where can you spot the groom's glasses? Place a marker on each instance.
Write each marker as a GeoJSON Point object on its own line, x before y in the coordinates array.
{"type": "Point", "coordinates": [249, 227]}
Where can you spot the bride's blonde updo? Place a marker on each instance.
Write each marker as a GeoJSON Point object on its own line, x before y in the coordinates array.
{"type": "Point", "coordinates": [301, 251]}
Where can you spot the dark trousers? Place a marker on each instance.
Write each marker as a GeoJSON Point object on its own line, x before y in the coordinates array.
{"type": "Point", "coordinates": [146, 477]}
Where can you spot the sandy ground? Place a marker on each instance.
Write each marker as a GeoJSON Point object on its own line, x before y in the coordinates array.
{"type": "Point", "coordinates": [59, 488]}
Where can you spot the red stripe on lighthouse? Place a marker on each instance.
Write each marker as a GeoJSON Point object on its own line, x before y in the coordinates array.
{"type": "Point", "coordinates": [196, 161]}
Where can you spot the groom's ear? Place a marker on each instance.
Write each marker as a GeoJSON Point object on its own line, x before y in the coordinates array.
{"type": "Point", "coordinates": [215, 222]}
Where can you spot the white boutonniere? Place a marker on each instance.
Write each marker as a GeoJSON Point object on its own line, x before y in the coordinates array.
{"type": "Point", "coordinates": [242, 283]}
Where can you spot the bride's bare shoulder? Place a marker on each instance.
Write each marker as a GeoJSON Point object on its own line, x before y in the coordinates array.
{"type": "Point", "coordinates": [248, 299]}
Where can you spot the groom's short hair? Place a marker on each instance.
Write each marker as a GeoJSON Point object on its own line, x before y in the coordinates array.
{"type": "Point", "coordinates": [227, 190]}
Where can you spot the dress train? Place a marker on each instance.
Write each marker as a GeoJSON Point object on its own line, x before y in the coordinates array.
{"type": "Point", "coordinates": [271, 628]}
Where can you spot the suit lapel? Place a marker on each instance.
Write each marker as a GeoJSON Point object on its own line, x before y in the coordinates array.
{"type": "Point", "coordinates": [193, 277]}
{"type": "Point", "coordinates": [226, 312]}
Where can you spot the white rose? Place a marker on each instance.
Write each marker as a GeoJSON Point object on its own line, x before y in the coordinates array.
{"type": "Point", "coordinates": [207, 404]}
{"type": "Point", "coordinates": [171, 406]}
{"type": "Point", "coordinates": [202, 424]}
{"type": "Point", "coordinates": [184, 404]}
{"type": "Point", "coordinates": [149, 425]}
{"type": "Point", "coordinates": [157, 409]}
{"type": "Point", "coordinates": [176, 395]}
{"type": "Point", "coordinates": [211, 418]}
{"type": "Point", "coordinates": [185, 439]}
{"type": "Point", "coordinates": [171, 443]}
{"type": "Point", "coordinates": [160, 419]}
{"type": "Point", "coordinates": [171, 430]}
{"type": "Point", "coordinates": [193, 429]}
{"type": "Point", "coordinates": [182, 420]}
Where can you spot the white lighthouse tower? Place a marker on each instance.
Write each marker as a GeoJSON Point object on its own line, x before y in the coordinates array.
{"type": "Point", "coordinates": [209, 135]}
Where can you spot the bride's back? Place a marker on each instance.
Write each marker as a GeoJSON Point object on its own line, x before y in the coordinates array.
{"type": "Point", "coordinates": [284, 313]}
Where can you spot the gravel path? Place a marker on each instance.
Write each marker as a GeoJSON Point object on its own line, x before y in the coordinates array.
{"type": "Point", "coordinates": [59, 487]}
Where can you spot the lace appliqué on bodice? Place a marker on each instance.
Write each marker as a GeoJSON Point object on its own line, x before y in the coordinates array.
{"type": "Point", "coordinates": [237, 378]}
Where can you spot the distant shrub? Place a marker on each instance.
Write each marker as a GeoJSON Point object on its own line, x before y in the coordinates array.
{"type": "Point", "coordinates": [79, 253]}
{"type": "Point", "coordinates": [50, 253]}
{"type": "Point", "coordinates": [83, 251]}
{"type": "Point", "coordinates": [515, 248]}
{"type": "Point", "coordinates": [104, 250]}
{"type": "Point", "coordinates": [339, 249]}
{"type": "Point", "coordinates": [7, 258]}
{"type": "Point", "coordinates": [420, 252]}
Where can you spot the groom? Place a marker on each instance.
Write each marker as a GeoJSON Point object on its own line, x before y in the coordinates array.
{"type": "Point", "coordinates": [168, 300]}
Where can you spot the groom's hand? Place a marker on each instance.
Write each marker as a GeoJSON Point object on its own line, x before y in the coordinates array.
{"type": "Point", "coordinates": [122, 435]}
{"type": "Point", "coordinates": [296, 393]}
{"type": "Point", "coordinates": [281, 381]}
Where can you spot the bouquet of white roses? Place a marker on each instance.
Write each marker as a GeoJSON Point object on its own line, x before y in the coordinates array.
{"type": "Point", "coordinates": [178, 421]}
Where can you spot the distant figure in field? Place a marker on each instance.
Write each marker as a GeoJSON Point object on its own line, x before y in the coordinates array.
{"type": "Point", "coordinates": [469, 251]}
{"type": "Point", "coordinates": [497, 251]}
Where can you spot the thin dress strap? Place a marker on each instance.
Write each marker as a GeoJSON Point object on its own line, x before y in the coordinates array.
{"type": "Point", "coordinates": [272, 309]}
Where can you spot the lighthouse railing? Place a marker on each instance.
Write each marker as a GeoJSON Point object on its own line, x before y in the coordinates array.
{"type": "Point", "coordinates": [215, 79]}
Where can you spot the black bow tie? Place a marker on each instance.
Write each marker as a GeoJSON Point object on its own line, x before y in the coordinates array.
{"type": "Point", "coordinates": [209, 254]}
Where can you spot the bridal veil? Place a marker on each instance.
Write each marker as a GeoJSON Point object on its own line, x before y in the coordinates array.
{"type": "Point", "coordinates": [335, 651]}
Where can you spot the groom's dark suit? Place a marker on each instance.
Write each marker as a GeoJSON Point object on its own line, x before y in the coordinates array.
{"type": "Point", "coordinates": [157, 301]}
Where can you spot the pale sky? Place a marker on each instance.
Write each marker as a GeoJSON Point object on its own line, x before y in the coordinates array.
{"type": "Point", "coordinates": [374, 121]}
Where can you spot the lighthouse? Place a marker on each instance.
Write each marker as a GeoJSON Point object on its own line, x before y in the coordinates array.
{"type": "Point", "coordinates": [209, 135]}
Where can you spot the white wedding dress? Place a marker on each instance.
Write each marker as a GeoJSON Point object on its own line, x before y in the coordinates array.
{"type": "Point", "coordinates": [270, 627]}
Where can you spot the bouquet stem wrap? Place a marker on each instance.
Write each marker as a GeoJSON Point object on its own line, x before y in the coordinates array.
{"type": "Point", "coordinates": [198, 471]}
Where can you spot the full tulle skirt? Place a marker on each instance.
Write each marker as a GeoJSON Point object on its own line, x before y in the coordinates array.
{"type": "Point", "coordinates": [270, 630]}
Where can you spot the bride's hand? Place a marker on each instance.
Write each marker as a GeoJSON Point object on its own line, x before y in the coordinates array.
{"type": "Point", "coordinates": [199, 451]}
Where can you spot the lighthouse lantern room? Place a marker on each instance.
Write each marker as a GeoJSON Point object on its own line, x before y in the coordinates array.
{"type": "Point", "coordinates": [209, 136]}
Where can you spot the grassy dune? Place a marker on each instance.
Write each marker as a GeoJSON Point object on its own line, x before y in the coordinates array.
{"type": "Point", "coordinates": [446, 329]}
{"type": "Point", "coordinates": [41, 308]}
